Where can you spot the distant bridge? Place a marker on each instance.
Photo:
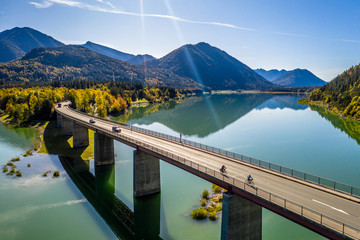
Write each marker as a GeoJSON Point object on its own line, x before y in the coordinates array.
{"type": "Point", "coordinates": [329, 208]}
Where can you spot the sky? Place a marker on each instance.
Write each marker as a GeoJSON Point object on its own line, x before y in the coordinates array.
{"type": "Point", "coordinates": [319, 35]}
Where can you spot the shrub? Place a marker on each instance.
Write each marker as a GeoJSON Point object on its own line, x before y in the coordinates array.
{"type": "Point", "coordinates": [203, 202]}
{"type": "Point", "coordinates": [215, 200]}
{"type": "Point", "coordinates": [46, 173]}
{"type": "Point", "coordinates": [15, 159]}
{"type": "Point", "coordinates": [199, 213]}
{"type": "Point", "coordinates": [5, 169]}
{"type": "Point", "coordinates": [216, 188]}
{"type": "Point", "coordinates": [11, 164]}
{"type": "Point", "coordinates": [212, 216]}
{"type": "Point", "coordinates": [12, 171]}
{"type": "Point", "coordinates": [18, 173]}
{"type": "Point", "coordinates": [56, 174]}
{"type": "Point", "coordinates": [205, 194]}
{"type": "Point", "coordinates": [29, 165]}
{"type": "Point", "coordinates": [28, 153]}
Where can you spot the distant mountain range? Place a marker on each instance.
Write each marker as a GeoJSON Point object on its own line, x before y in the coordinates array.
{"type": "Point", "coordinates": [295, 78]}
{"type": "Point", "coordinates": [130, 58]}
{"type": "Point", "coordinates": [16, 42]}
{"type": "Point", "coordinates": [196, 66]}
{"type": "Point", "coordinates": [72, 62]}
{"type": "Point", "coordinates": [210, 67]}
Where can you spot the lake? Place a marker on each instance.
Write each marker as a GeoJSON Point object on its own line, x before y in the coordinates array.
{"type": "Point", "coordinates": [269, 127]}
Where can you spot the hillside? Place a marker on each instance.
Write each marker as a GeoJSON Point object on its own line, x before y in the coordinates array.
{"type": "Point", "coordinates": [272, 74]}
{"type": "Point", "coordinates": [110, 52]}
{"type": "Point", "coordinates": [299, 78]}
{"type": "Point", "coordinates": [210, 67]}
{"type": "Point", "coordinates": [342, 94]}
{"type": "Point", "coordinates": [79, 63]}
{"type": "Point", "coordinates": [294, 78]}
{"type": "Point", "coordinates": [16, 42]}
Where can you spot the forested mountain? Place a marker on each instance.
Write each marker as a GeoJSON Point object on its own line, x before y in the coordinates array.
{"type": "Point", "coordinates": [294, 78]}
{"type": "Point", "coordinates": [110, 52]}
{"type": "Point", "coordinates": [272, 74]}
{"type": "Point", "coordinates": [79, 63]}
{"type": "Point", "coordinates": [16, 42]}
{"type": "Point", "coordinates": [210, 67]}
{"type": "Point", "coordinates": [342, 94]}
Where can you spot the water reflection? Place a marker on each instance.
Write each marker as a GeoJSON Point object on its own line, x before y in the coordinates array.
{"type": "Point", "coordinates": [194, 117]}
{"type": "Point", "coordinates": [143, 223]}
{"type": "Point", "coordinates": [350, 127]}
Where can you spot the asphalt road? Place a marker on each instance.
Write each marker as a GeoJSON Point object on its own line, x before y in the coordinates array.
{"type": "Point", "coordinates": [337, 206]}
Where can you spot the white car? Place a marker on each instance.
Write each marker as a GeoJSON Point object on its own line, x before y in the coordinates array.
{"type": "Point", "coordinates": [116, 129]}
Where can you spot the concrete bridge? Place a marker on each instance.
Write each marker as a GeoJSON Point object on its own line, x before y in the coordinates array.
{"type": "Point", "coordinates": [329, 208]}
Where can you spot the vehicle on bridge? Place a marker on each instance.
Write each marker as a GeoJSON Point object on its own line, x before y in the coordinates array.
{"type": "Point", "coordinates": [92, 120]}
{"type": "Point", "coordinates": [116, 129]}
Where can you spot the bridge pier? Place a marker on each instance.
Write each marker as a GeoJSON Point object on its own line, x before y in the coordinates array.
{"type": "Point", "coordinates": [58, 119]}
{"type": "Point", "coordinates": [80, 136]}
{"type": "Point", "coordinates": [241, 218]}
{"type": "Point", "coordinates": [104, 149]}
{"type": "Point", "coordinates": [66, 126]}
{"type": "Point", "coordinates": [146, 174]}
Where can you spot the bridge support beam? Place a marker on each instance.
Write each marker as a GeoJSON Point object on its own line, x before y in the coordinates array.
{"type": "Point", "coordinates": [104, 149]}
{"type": "Point", "coordinates": [80, 136]}
{"type": "Point", "coordinates": [241, 219]}
{"type": "Point", "coordinates": [146, 174]}
{"type": "Point", "coordinates": [66, 126]}
{"type": "Point", "coordinates": [58, 119]}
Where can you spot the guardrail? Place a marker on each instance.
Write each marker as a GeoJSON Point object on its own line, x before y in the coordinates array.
{"type": "Point", "coordinates": [323, 220]}
{"type": "Point", "coordinates": [341, 187]}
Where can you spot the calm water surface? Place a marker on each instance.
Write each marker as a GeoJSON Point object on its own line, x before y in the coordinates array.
{"type": "Point", "coordinates": [271, 128]}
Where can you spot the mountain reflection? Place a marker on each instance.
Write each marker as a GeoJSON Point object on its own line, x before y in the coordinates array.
{"type": "Point", "coordinates": [350, 127]}
{"type": "Point", "coordinates": [194, 116]}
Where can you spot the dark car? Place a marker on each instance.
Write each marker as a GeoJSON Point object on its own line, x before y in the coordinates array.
{"type": "Point", "coordinates": [116, 129]}
{"type": "Point", "coordinates": [91, 120]}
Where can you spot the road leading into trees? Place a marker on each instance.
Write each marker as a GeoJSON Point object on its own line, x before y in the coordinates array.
{"type": "Point", "coordinates": [313, 206]}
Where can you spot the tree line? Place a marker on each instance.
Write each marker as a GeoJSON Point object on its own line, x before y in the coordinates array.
{"type": "Point", "coordinates": [26, 103]}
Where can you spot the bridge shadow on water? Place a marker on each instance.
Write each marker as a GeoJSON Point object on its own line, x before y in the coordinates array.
{"type": "Point", "coordinates": [99, 190]}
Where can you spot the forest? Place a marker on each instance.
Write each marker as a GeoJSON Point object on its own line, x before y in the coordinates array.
{"type": "Point", "coordinates": [36, 102]}
{"type": "Point", "coordinates": [341, 95]}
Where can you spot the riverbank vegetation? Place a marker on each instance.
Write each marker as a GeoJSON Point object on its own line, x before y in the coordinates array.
{"type": "Point", "coordinates": [28, 103]}
{"type": "Point", "coordinates": [211, 204]}
{"type": "Point", "coordinates": [341, 95]}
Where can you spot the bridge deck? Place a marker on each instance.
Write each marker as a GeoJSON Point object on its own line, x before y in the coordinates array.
{"type": "Point", "coordinates": [328, 208]}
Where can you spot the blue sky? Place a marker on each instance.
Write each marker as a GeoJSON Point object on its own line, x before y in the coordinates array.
{"type": "Point", "coordinates": [319, 35]}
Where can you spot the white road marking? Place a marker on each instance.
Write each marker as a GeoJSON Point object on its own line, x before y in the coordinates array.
{"type": "Point", "coordinates": [339, 210]}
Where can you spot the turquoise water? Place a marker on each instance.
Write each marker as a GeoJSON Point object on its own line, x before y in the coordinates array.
{"type": "Point", "coordinates": [271, 128]}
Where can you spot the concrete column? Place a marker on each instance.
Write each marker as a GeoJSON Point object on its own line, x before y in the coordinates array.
{"type": "Point", "coordinates": [241, 218]}
{"type": "Point", "coordinates": [105, 182]}
{"type": "Point", "coordinates": [146, 174]}
{"type": "Point", "coordinates": [104, 149]}
{"type": "Point", "coordinates": [66, 126]}
{"type": "Point", "coordinates": [59, 119]}
{"type": "Point", "coordinates": [80, 136]}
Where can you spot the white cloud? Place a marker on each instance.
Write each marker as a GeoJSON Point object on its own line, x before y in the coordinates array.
{"type": "Point", "coordinates": [45, 4]}
{"type": "Point", "coordinates": [291, 34]}
{"type": "Point", "coordinates": [348, 40]}
{"type": "Point", "coordinates": [114, 10]}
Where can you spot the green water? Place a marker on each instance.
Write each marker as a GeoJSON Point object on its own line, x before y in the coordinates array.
{"type": "Point", "coordinates": [271, 128]}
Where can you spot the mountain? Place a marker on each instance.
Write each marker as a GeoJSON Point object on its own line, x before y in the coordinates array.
{"type": "Point", "coordinates": [139, 59]}
{"type": "Point", "coordinates": [110, 52]}
{"type": "Point", "coordinates": [342, 94]}
{"type": "Point", "coordinates": [295, 78]}
{"type": "Point", "coordinates": [271, 75]}
{"type": "Point", "coordinates": [16, 42]}
{"type": "Point", "coordinates": [72, 62]}
{"type": "Point", "coordinates": [299, 78]}
{"type": "Point", "coordinates": [210, 67]}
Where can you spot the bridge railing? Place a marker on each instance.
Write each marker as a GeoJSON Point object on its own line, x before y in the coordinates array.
{"type": "Point", "coordinates": [296, 208]}
{"type": "Point", "coordinates": [344, 188]}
